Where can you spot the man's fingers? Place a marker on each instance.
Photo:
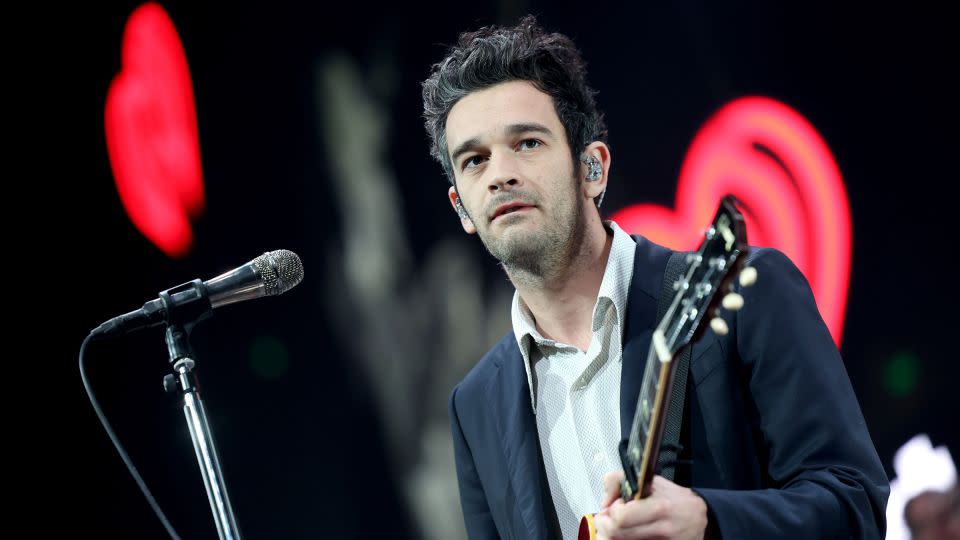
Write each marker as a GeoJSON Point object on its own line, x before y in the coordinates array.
{"type": "Point", "coordinates": [635, 513]}
{"type": "Point", "coordinates": [611, 487]}
{"type": "Point", "coordinates": [660, 483]}
{"type": "Point", "coordinates": [611, 481]}
{"type": "Point", "coordinates": [606, 530]}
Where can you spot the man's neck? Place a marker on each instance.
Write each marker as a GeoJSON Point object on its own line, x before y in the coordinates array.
{"type": "Point", "coordinates": [562, 302]}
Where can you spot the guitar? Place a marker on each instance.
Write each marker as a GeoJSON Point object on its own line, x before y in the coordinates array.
{"type": "Point", "coordinates": [704, 286]}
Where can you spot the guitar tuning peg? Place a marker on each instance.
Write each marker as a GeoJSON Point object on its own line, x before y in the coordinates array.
{"type": "Point", "coordinates": [748, 276]}
{"type": "Point", "coordinates": [719, 326]}
{"type": "Point", "coordinates": [732, 301]}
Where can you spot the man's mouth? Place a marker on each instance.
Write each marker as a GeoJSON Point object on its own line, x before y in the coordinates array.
{"type": "Point", "coordinates": [510, 208]}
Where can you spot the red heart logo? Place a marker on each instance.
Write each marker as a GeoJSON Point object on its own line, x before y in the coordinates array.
{"type": "Point", "coordinates": [793, 199]}
{"type": "Point", "coordinates": [151, 132]}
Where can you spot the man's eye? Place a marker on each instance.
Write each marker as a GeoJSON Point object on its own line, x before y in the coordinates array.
{"type": "Point", "coordinates": [529, 144]}
{"type": "Point", "coordinates": [472, 162]}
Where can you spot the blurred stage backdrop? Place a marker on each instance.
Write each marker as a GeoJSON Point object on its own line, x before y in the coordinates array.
{"type": "Point", "coordinates": [298, 127]}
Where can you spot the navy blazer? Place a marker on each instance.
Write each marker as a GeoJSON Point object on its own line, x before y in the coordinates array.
{"type": "Point", "coordinates": [780, 447]}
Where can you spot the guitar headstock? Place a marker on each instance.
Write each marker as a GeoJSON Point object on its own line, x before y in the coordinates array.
{"type": "Point", "coordinates": [706, 285]}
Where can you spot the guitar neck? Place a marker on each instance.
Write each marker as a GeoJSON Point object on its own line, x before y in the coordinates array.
{"type": "Point", "coordinates": [641, 450]}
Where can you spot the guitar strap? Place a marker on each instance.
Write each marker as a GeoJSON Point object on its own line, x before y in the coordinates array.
{"type": "Point", "coordinates": [670, 444]}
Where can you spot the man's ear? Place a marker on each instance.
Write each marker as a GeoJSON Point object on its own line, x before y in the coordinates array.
{"type": "Point", "coordinates": [458, 207]}
{"type": "Point", "coordinates": [596, 152]}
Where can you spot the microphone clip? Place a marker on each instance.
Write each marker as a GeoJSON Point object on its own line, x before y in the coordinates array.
{"type": "Point", "coordinates": [183, 305]}
{"type": "Point", "coordinates": [186, 304]}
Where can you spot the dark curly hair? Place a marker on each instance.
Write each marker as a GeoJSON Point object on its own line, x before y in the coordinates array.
{"type": "Point", "coordinates": [493, 55]}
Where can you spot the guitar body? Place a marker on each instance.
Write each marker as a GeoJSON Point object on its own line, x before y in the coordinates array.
{"type": "Point", "coordinates": [588, 528]}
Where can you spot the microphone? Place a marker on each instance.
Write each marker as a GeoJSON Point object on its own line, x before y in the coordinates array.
{"type": "Point", "coordinates": [270, 274]}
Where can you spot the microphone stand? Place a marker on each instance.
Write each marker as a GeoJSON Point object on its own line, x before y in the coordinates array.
{"type": "Point", "coordinates": [184, 380]}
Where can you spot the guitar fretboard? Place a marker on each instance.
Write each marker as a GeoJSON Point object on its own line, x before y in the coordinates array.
{"type": "Point", "coordinates": [662, 349]}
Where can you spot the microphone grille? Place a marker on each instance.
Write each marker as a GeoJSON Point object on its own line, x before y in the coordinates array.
{"type": "Point", "coordinates": [281, 270]}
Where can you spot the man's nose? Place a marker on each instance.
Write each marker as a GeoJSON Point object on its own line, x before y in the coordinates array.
{"type": "Point", "coordinates": [504, 174]}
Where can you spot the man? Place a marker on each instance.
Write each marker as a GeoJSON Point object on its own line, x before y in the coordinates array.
{"type": "Point", "coordinates": [778, 444]}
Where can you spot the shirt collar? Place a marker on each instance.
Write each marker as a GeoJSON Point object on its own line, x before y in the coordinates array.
{"type": "Point", "coordinates": [614, 289]}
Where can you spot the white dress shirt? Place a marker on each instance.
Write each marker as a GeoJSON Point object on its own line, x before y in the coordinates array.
{"type": "Point", "coordinates": [575, 395]}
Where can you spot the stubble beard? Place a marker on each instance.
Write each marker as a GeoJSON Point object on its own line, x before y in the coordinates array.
{"type": "Point", "coordinates": [541, 255]}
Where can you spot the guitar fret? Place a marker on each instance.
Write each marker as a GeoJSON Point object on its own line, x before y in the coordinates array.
{"type": "Point", "coordinates": [644, 412]}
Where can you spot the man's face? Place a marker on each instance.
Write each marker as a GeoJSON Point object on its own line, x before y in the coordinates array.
{"type": "Point", "coordinates": [515, 175]}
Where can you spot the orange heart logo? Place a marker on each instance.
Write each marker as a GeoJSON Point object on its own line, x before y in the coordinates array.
{"type": "Point", "coordinates": [792, 195]}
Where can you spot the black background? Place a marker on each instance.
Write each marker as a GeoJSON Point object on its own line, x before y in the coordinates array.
{"type": "Point", "coordinates": [305, 452]}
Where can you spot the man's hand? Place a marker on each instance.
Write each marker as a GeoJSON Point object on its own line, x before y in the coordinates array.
{"type": "Point", "coordinates": [671, 512]}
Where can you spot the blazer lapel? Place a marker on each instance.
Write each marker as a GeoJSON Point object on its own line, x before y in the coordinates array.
{"type": "Point", "coordinates": [521, 445]}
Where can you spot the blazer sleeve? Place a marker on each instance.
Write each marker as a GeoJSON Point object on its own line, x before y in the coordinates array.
{"type": "Point", "coordinates": [826, 478]}
{"type": "Point", "coordinates": [476, 512]}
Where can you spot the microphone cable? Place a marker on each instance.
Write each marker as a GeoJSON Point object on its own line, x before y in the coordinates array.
{"type": "Point", "coordinates": [119, 447]}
